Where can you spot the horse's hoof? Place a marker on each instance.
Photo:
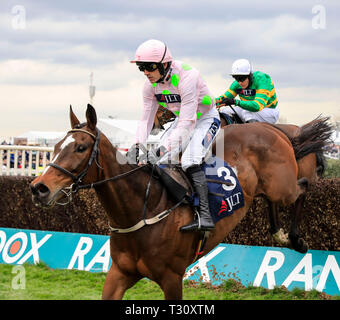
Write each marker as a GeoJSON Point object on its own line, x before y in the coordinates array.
{"type": "Point", "coordinates": [299, 245]}
{"type": "Point", "coordinates": [281, 238]}
{"type": "Point", "coordinates": [302, 246]}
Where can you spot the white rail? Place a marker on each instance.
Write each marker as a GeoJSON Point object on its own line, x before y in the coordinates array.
{"type": "Point", "coordinates": [24, 160]}
{"type": "Point", "coordinates": [335, 156]}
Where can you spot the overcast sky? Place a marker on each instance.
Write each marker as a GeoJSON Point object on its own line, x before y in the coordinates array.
{"type": "Point", "coordinates": [49, 48]}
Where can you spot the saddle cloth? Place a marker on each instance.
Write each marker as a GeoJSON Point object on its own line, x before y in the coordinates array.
{"type": "Point", "coordinates": [225, 191]}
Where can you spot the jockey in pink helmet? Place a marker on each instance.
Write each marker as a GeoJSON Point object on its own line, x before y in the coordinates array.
{"type": "Point", "coordinates": [152, 55]}
{"type": "Point", "coordinates": [178, 87]}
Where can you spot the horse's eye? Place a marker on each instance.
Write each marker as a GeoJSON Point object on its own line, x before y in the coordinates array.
{"type": "Point", "coordinates": [81, 148]}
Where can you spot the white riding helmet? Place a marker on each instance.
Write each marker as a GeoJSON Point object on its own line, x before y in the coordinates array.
{"type": "Point", "coordinates": [241, 67]}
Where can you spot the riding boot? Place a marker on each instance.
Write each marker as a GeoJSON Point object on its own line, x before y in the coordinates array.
{"type": "Point", "coordinates": [204, 221]}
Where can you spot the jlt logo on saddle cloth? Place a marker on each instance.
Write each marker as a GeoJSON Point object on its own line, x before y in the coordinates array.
{"type": "Point", "coordinates": [223, 199]}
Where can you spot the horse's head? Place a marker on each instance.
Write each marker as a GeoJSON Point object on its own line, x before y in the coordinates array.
{"type": "Point", "coordinates": [72, 161]}
{"type": "Point", "coordinates": [163, 116]}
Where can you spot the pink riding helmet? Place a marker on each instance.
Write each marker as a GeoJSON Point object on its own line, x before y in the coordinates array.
{"type": "Point", "coordinates": [152, 51]}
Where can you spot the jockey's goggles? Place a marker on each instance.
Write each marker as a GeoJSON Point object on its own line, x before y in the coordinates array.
{"type": "Point", "coordinates": [240, 78]}
{"type": "Point", "coordinates": [148, 66]}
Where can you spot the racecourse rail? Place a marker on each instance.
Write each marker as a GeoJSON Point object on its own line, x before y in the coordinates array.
{"type": "Point", "coordinates": [34, 161]}
{"type": "Point", "coordinates": [13, 163]}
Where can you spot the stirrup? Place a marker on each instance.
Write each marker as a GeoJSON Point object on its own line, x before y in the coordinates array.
{"type": "Point", "coordinates": [196, 225]}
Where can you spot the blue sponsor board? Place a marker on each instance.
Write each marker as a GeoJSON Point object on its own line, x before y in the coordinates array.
{"type": "Point", "coordinates": [269, 267]}
{"type": "Point", "coordinates": [59, 250]}
{"type": "Point", "coordinates": [260, 266]}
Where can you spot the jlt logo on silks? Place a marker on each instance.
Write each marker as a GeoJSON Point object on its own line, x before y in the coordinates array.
{"type": "Point", "coordinates": [168, 98]}
{"type": "Point", "coordinates": [246, 92]}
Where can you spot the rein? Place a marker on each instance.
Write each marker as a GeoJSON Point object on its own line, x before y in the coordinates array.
{"type": "Point", "coordinates": [76, 186]}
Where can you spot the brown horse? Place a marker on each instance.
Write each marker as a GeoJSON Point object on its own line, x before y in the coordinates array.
{"type": "Point", "coordinates": [311, 165]}
{"type": "Point", "coordinates": [262, 156]}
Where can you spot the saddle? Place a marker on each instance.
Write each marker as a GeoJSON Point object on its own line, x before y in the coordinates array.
{"type": "Point", "coordinates": [175, 181]}
{"type": "Point", "coordinates": [225, 192]}
{"type": "Point", "coordinates": [227, 118]}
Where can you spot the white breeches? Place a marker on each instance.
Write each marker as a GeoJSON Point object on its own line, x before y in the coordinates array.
{"type": "Point", "coordinates": [197, 146]}
{"type": "Point", "coordinates": [265, 115]}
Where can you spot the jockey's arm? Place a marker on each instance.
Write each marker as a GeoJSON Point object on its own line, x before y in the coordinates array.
{"type": "Point", "coordinates": [230, 93]}
{"type": "Point", "coordinates": [261, 97]}
{"type": "Point", "coordinates": [188, 112]}
{"type": "Point", "coordinates": [255, 105]}
{"type": "Point", "coordinates": [149, 111]}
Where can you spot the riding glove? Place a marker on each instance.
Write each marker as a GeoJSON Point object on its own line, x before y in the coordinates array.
{"type": "Point", "coordinates": [227, 101]}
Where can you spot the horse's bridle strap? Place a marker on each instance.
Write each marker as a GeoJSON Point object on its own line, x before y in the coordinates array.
{"type": "Point", "coordinates": [77, 179]}
{"type": "Point", "coordinates": [84, 131]}
{"type": "Point", "coordinates": [62, 170]}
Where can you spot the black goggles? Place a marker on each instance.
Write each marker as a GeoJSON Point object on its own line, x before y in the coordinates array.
{"type": "Point", "coordinates": [148, 66]}
{"type": "Point", "coordinates": [240, 78]}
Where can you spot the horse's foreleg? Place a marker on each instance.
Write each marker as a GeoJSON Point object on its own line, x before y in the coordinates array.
{"type": "Point", "coordinates": [273, 217]}
{"type": "Point", "coordinates": [275, 230]}
{"type": "Point", "coordinates": [172, 286]}
{"type": "Point", "coordinates": [116, 283]}
{"type": "Point", "coordinates": [292, 239]}
{"type": "Point", "coordinates": [296, 242]}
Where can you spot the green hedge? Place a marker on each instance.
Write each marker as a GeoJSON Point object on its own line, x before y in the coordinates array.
{"type": "Point", "coordinates": [332, 169]}
{"type": "Point", "coordinates": [320, 226]}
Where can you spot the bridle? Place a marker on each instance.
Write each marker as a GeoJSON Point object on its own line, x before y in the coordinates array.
{"type": "Point", "coordinates": [77, 179]}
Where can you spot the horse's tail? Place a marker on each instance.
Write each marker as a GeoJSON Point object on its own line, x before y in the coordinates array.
{"type": "Point", "coordinates": [313, 137]}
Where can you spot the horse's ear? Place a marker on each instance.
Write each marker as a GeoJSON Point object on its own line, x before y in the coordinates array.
{"type": "Point", "coordinates": [73, 119]}
{"type": "Point", "coordinates": [91, 117]}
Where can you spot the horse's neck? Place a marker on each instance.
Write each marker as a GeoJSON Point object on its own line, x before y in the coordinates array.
{"type": "Point", "coordinates": [123, 198]}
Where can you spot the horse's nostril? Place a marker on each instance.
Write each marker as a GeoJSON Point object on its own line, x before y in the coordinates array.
{"type": "Point", "coordinates": [33, 188]}
{"type": "Point", "coordinates": [40, 190]}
